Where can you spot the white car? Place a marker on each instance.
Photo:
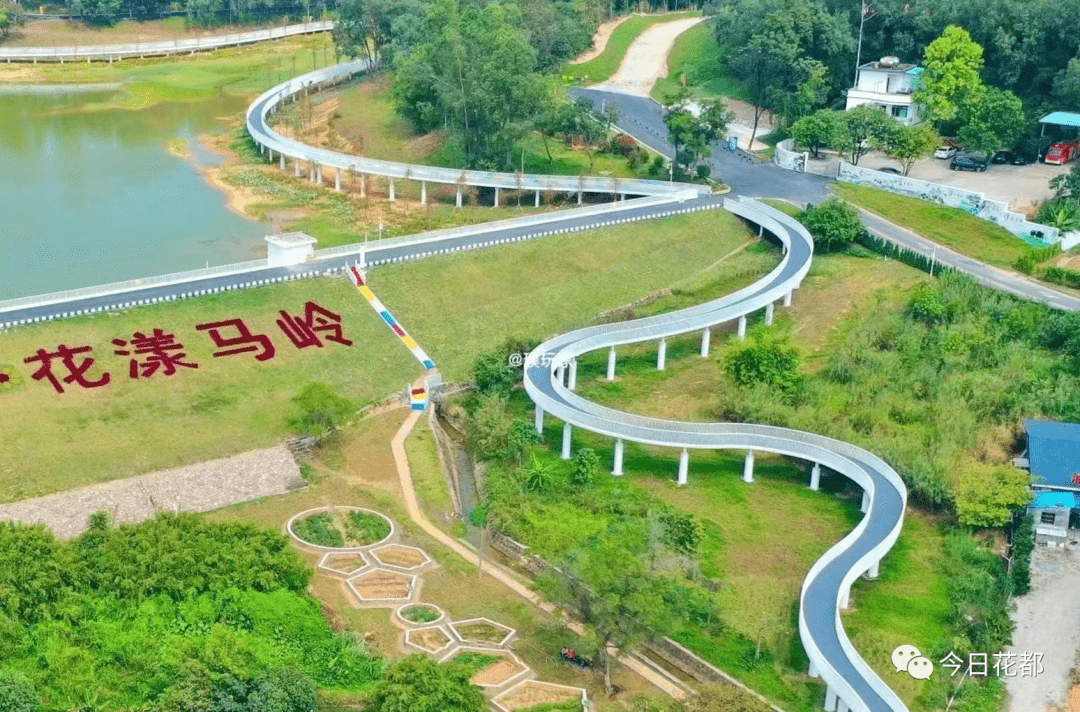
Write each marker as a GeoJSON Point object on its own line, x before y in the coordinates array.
{"type": "Point", "coordinates": [945, 152]}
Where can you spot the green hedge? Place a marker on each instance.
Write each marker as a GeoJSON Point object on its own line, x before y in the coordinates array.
{"type": "Point", "coordinates": [1062, 276]}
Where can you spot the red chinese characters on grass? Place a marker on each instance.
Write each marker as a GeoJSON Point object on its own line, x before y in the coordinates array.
{"type": "Point", "coordinates": [161, 352]}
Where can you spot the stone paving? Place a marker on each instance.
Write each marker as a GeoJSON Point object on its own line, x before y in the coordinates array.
{"type": "Point", "coordinates": [194, 488]}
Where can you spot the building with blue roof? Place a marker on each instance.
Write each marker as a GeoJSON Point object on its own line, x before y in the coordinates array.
{"type": "Point", "coordinates": [1054, 460]}
{"type": "Point", "coordinates": [1060, 118]}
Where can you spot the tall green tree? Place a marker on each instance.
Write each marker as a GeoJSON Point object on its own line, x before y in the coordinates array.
{"type": "Point", "coordinates": [820, 129]}
{"type": "Point", "coordinates": [368, 28]}
{"type": "Point", "coordinates": [865, 127]}
{"type": "Point", "coordinates": [1067, 86]}
{"type": "Point", "coordinates": [833, 223]}
{"type": "Point", "coordinates": [690, 134]}
{"type": "Point", "coordinates": [419, 684]}
{"type": "Point", "coordinates": [908, 144]}
{"type": "Point", "coordinates": [950, 77]}
{"type": "Point", "coordinates": [607, 585]}
{"type": "Point", "coordinates": [765, 66]}
{"type": "Point", "coordinates": [993, 120]}
{"type": "Point", "coordinates": [989, 495]}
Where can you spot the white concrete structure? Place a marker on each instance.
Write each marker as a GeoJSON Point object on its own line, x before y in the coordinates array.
{"type": "Point", "coordinates": [888, 84]}
{"type": "Point", "coordinates": [291, 248]}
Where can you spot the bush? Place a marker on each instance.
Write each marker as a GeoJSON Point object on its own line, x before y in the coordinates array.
{"type": "Point", "coordinates": [833, 224]}
{"type": "Point", "coordinates": [1023, 545]}
{"type": "Point", "coordinates": [493, 374]}
{"type": "Point", "coordinates": [16, 693]}
{"type": "Point", "coordinates": [926, 307]}
{"type": "Point", "coordinates": [419, 684]}
{"type": "Point", "coordinates": [1062, 276]}
{"type": "Point", "coordinates": [656, 165]}
{"type": "Point", "coordinates": [321, 410]}
{"type": "Point", "coordinates": [703, 171]}
{"type": "Point", "coordinates": [766, 360]}
{"type": "Point", "coordinates": [319, 529]}
{"type": "Point", "coordinates": [586, 467]}
{"type": "Point", "coordinates": [366, 528]}
{"type": "Point", "coordinates": [1032, 257]}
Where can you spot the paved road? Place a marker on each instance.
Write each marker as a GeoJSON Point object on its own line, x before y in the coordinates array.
{"type": "Point", "coordinates": [643, 119]}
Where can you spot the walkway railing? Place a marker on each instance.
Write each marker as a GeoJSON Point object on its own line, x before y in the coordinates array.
{"type": "Point", "coordinates": [157, 49]}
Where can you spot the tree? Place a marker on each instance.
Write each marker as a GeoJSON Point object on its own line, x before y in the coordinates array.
{"type": "Point", "coordinates": [419, 684]}
{"type": "Point", "coordinates": [832, 223]}
{"type": "Point", "coordinates": [586, 467]}
{"type": "Point", "coordinates": [367, 28]}
{"type": "Point", "coordinates": [95, 10]}
{"type": "Point", "coordinates": [908, 144]}
{"type": "Point", "coordinates": [765, 360]}
{"type": "Point", "coordinates": [584, 124]}
{"type": "Point", "coordinates": [16, 693]}
{"type": "Point", "coordinates": [765, 66]}
{"type": "Point", "coordinates": [1067, 86]}
{"type": "Point", "coordinates": [489, 427]}
{"type": "Point", "coordinates": [606, 584]}
{"type": "Point", "coordinates": [493, 374]}
{"type": "Point", "coordinates": [521, 435]}
{"type": "Point", "coordinates": [818, 130]}
{"type": "Point", "coordinates": [690, 134]}
{"type": "Point", "coordinates": [12, 17]}
{"type": "Point", "coordinates": [865, 127]}
{"type": "Point", "coordinates": [989, 495]}
{"type": "Point", "coordinates": [1067, 185]}
{"type": "Point", "coordinates": [993, 120]}
{"type": "Point", "coordinates": [950, 77]}
{"type": "Point", "coordinates": [321, 410]}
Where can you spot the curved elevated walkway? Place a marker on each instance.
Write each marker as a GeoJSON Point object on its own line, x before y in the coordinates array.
{"type": "Point", "coordinates": [852, 685]}
{"type": "Point", "coordinates": [111, 53]}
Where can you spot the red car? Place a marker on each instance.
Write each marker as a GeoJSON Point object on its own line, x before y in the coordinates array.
{"type": "Point", "coordinates": [1062, 152]}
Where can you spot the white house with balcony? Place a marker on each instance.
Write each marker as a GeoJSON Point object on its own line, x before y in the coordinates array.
{"type": "Point", "coordinates": [889, 85]}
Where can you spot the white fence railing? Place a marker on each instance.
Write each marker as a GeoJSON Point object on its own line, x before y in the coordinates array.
{"type": "Point", "coordinates": [157, 49]}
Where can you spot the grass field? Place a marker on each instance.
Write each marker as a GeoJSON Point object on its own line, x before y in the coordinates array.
{"type": "Point", "coordinates": [952, 227]}
{"type": "Point", "coordinates": [455, 306]}
{"type": "Point", "coordinates": [601, 68]}
{"type": "Point", "coordinates": [64, 33]}
{"type": "Point", "coordinates": [697, 59]}
{"type": "Point", "coordinates": [239, 70]}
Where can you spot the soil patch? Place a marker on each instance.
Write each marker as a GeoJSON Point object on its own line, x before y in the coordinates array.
{"type": "Point", "coordinates": [532, 694]}
{"type": "Point", "coordinates": [430, 640]}
{"type": "Point", "coordinates": [344, 562]}
{"type": "Point", "coordinates": [379, 585]}
{"type": "Point", "coordinates": [481, 632]}
{"type": "Point", "coordinates": [497, 673]}
{"type": "Point", "coordinates": [401, 556]}
{"type": "Point", "coordinates": [646, 59]}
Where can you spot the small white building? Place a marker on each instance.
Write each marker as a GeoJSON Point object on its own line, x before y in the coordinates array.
{"type": "Point", "coordinates": [888, 84]}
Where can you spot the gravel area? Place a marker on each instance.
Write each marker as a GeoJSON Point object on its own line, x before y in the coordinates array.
{"type": "Point", "coordinates": [646, 58]}
{"type": "Point", "coordinates": [599, 40]}
{"type": "Point", "coordinates": [195, 488]}
{"type": "Point", "coordinates": [1047, 622]}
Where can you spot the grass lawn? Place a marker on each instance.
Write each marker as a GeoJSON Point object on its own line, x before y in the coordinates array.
{"type": "Point", "coordinates": [952, 227]}
{"type": "Point", "coordinates": [239, 70]}
{"type": "Point", "coordinates": [601, 68]}
{"type": "Point", "coordinates": [64, 33]}
{"type": "Point", "coordinates": [484, 297]}
{"type": "Point", "coordinates": [697, 57]}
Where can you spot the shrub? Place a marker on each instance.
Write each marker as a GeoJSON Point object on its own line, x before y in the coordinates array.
{"type": "Point", "coordinates": [420, 614]}
{"type": "Point", "coordinates": [624, 145]}
{"type": "Point", "coordinates": [1023, 544]}
{"type": "Point", "coordinates": [1062, 276]}
{"type": "Point", "coordinates": [319, 529]}
{"type": "Point", "coordinates": [926, 306]}
{"type": "Point", "coordinates": [766, 360]}
{"type": "Point", "coordinates": [366, 528]}
{"type": "Point", "coordinates": [493, 374]}
{"type": "Point", "coordinates": [1032, 257]}
{"type": "Point", "coordinates": [703, 171]}
{"type": "Point", "coordinates": [321, 410]}
{"type": "Point", "coordinates": [833, 224]}
{"type": "Point", "coordinates": [16, 693]}
{"type": "Point", "coordinates": [586, 466]}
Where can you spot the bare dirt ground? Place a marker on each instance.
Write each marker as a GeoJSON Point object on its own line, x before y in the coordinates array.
{"type": "Point", "coordinates": [1048, 622]}
{"type": "Point", "coordinates": [196, 488]}
{"type": "Point", "coordinates": [497, 673]}
{"type": "Point", "coordinates": [64, 33]}
{"type": "Point", "coordinates": [432, 639]}
{"type": "Point", "coordinates": [383, 584]}
{"type": "Point", "coordinates": [599, 40]}
{"type": "Point", "coordinates": [400, 556]}
{"type": "Point", "coordinates": [646, 59]}
{"type": "Point", "coordinates": [533, 693]}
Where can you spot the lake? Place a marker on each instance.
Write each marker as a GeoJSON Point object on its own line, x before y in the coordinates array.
{"type": "Point", "coordinates": [91, 195]}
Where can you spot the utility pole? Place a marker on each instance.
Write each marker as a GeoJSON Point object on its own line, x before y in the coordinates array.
{"type": "Point", "coordinates": [865, 13]}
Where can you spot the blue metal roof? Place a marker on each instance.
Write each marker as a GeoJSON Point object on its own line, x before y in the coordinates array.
{"type": "Point", "coordinates": [1054, 451]}
{"type": "Point", "coordinates": [1061, 118]}
{"type": "Point", "coordinates": [1054, 499]}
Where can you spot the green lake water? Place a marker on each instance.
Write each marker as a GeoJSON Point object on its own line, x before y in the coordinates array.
{"type": "Point", "coordinates": [91, 196]}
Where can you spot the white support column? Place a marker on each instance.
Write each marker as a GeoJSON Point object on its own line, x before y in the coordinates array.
{"type": "Point", "coordinates": [539, 419]}
{"type": "Point", "coordinates": [830, 699]}
{"type": "Point", "coordinates": [459, 196]}
{"type": "Point", "coordinates": [270, 155]}
{"type": "Point", "coordinates": [579, 197]}
{"type": "Point", "coordinates": [282, 157]}
{"type": "Point", "coordinates": [845, 597]}
{"type": "Point", "coordinates": [611, 364]}
{"type": "Point", "coordinates": [617, 469]}
{"type": "Point", "coordinates": [296, 166]}
{"type": "Point", "coordinates": [872, 572]}
{"type": "Point", "coordinates": [318, 174]}
{"type": "Point", "coordinates": [742, 327]}
{"type": "Point", "coordinates": [392, 198]}
{"type": "Point", "coordinates": [537, 203]}
{"type": "Point", "coordinates": [496, 197]}
{"type": "Point", "coordinates": [705, 343]}
{"type": "Point", "coordinates": [363, 185]}
{"type": "Point", "coordinates": [787, 299]}
{"type": "Point", "coordinates": [748, 467]}
{"type": "Point", "coordinates": [661, 355]}
{"type": "Point", "coordinates": [815, 477]}
{"type": "Point", "coordinates": [841, 706]}
{"type": "Point", "coordinates": [684, 466]}
{"type": "Point", "coordinates": [566, 437]}
{"type": "Point", "coordinates": [770, 310]}
{"type": "Point", "coordinates": [337, 179]}
{"type": "Point", "coordinates": [571, 380]}
{"type": "Point", "coordinates": [423, 193]}
{"type": "Point", "coordinates": [813, 670]}
{"type": "Point", "coordinates": [865, 506]}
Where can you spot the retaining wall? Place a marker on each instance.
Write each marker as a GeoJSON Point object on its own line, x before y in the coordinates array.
{"type": "Point", "coordinates": [975, 203]}
{"type": "Point", "coordinates": [787, 157]}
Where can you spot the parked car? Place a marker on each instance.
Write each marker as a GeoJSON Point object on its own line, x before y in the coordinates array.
{"type": "Point", "coordinates": [945, 152]}
{"type": "Point", "coordinates": [1062, 152]}
{"type": "Point", "coordinates": [1013, 158]}
{"type": "Point", "coordinates": [968, 163]}
{"type": "Point", "coordinates": [889, 169]}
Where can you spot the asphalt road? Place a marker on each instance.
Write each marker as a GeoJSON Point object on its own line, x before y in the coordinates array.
{"type": "Point", "coordinates": [643, 119]}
